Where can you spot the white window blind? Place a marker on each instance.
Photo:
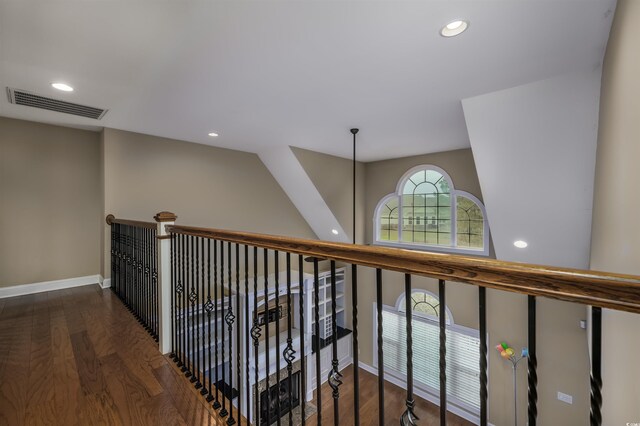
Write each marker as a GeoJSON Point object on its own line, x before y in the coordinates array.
{"type": "Point", "coordinates": [463, 352]}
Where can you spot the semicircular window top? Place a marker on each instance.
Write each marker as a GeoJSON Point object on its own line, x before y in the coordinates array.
{"type": "Point", "coordinates": [427, 213]}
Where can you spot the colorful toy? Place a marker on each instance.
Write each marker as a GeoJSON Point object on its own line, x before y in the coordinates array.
{"type": "Point", "coordinates": [509, 354]}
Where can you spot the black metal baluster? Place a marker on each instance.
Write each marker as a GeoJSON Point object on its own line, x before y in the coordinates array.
{"type": "Point", "coordinates": [255, 335]}
{"type": "Point", "coordinates": [190, 312]}
{"type": "Point", "coordinates": [484, 391]}
{"type": "Point", "coordinates": [139, 275]}
{"type": "Point", "coordinates": [124, 267]}
{"type": "Point", "coordinates": [595, 417]}
{"type": "Point", "coordinates": [266, 332]}
{"type": "Point", "coordinates": [223, 411]}
{"type": "Point", "coordinates": [196, 313]}
{"type": "Point", "coordinates": [185, 292]}
{"type": "Point", "coordinates": [316, 290]}
{"type": "Point", "coordinates": [303, 371]}
{"type": "Point", "coordinates": [209, 309]}
{"type": "Point", "coordinates": [246, 333]}
{"type": "Point", "coordinates": [134, 272]}
{"type": "Point", "coordinates": [443, 352]}
{"type": "Point", "coordinates": [334, 374]}
{"type": "Point", "coordinates": [216, 402]}
{"type": "Point", "coordinates": [532, 363]}
{"type": "Point", "coordinates": [229, 318]}
{"type": "Point", "coordinates": [277, 297]}
{"type": "Point", "coordinates": [173, 296]}
{"type": "Point", "coordinates": [380, 344]}
{"type": "Point", "coordinates": [146, 271]}
{"type": "Point", "coordinates": [154, 277]}
{"type": "Point", "coordinates": [179, 295]}
{"type": "Point", "coordinates": [127, 267]}
{"type": "Point", "coordinates": [149, 297]}
{"type": "Point", "coordinates": [202, 310]}
{"type": "Point", "coordinates": [356, 365]}
{"type": "Point", "coordinates": [409, 417]}
{"type": "Point", "coordinates": [238, 337]}
{"type": "Point", "coordinates": [289, 353]}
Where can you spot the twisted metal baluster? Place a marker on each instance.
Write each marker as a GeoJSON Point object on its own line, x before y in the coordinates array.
{"type": "Point", "coordinates": [216, 402]}
{"type": "Point", "coordinates": [409, 417]}
{"type": "Point", "coordinates": [190, 315]}
{"type": "Point", "coordinates": [380, 344]}
{"type": "Point", "coordinates": [181, 301]}
{"type": "Point", "coordinates": [229, 318]}
{"type": "Point", "coordinates": [238, 341]}
{"type": "Point", "coordinates": [595, 416]}
{"type": "Point", "coordinates": [209, 308]}
{"type": "Point", "coordinates": [484, 392]}
{"type": "Point", "coordinates": [334, 375]}
{"type": "Point", "coordinates": [277, 297]}
{"type": "Point", "coordinates": [223, 411]}
{"type": "Point", "coordinates": [289, 353]}
{"type": "Point", "coordinates": [356, 365]}
{"type": "Point", "coordinates": [201, 311]}
{"type": "Point", "coordinates": [266, 332]}
{"type": "Point", "coordinates": [255, 335]}
{"type": "Point", "coordinates": [532, 363]}
{"type": "Point", "coordinates": [316, 290]}
{"type": "Point", "coordinates": [196, 314]}
{"type": "Point", "coordinates": [246, 335]}
{"type": "Point", "coordinates": [173, 297]}
{"type": "Point", "coordinates": [443, 354]}
{"type": "Point", "coordinates": [303, 378]}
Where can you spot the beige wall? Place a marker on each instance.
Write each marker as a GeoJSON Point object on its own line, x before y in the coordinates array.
{"type": "Point", "coordinates": [614, 245]}
{"type": "Point", "coordinates": [333, 178]}
{"type": "Point", "coordinates": [203, 185]}
{"type": "Point", "coordinates": [50, 202]}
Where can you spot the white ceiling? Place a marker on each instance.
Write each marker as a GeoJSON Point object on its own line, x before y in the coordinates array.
{"type": "Point", "coordinates": [297, 73]}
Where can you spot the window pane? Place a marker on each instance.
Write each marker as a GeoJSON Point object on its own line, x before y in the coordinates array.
{"type": "Point", "coordinates": [388, 221]}
{"type": "Point", "coordinates": [470, 224]}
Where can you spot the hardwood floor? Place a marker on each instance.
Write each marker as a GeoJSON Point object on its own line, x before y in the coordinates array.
{"type": "Point", "coordinates": [78, 357]}
{"type": "Point", "coordinates": [394, 404]}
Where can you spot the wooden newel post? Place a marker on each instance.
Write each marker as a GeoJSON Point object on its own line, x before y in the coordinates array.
{"type": "Point", "coordinates": [164, 280]}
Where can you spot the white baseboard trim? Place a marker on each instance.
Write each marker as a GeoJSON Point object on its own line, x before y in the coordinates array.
{"type": "Point", "coordinates": [106, 283]}
{"type": "Point", "coordinates": [424, 395]}
{"type": "Point", "coordinates": [21, 290]}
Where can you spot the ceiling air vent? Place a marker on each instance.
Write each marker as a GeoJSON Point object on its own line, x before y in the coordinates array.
{"type": "Point", "coordinates": [22, 97]}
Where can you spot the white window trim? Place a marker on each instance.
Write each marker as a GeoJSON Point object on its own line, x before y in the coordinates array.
{"type": "Point", "coordinates": [454, 211]}
{"type": "Point", "coordinates": [400, 306]}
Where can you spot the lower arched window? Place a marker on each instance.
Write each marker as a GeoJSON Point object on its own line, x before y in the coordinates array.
{"type": "Point", "coordinates": [463, 351]}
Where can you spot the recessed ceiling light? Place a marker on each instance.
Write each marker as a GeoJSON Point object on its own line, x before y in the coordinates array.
{"type": "Point", "coordinates": [334, 232]}
{"type": "Point", "coordinates": [213, 134]}
{"type": "Point", "coordinates": [520, 244]}
{"type": "Point", "coordinates": [62, 86]}
{"type": "Point", "coordinates": [454, 28]}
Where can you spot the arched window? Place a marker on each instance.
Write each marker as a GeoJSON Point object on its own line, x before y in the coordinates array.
{"type": "Point", "coordinates": [462, 355]}
{"type": "Point", "coordinates": [424, 304]}
{"type": "Point", "coordinates": [434, 214]}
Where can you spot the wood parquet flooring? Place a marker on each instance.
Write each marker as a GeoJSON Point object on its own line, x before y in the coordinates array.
{"type": "Point", "coordinates": [79, 357]}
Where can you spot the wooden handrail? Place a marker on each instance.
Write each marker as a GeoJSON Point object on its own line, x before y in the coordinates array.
{"type": "Point", "coordinates": [111, 219]}
{"type": "Point", "coordinates": [607, 290]}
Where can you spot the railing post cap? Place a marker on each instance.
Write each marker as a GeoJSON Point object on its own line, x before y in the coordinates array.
{"type": "Point", "coordinates": [110, 219]}
{"type": "Point", "coordinates": [165, 217]}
